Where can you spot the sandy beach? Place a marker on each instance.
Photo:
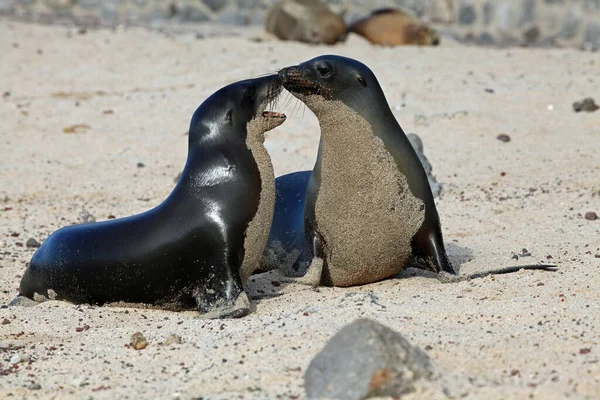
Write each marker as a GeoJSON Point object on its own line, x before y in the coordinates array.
{"type": "Point", "coordinates": [96, 120]}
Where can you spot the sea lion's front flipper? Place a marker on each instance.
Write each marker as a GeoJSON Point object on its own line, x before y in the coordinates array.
{"type": "Point", "coordinates": [429, 252]}
{"type": "Point", "coordinates": [222, 294]}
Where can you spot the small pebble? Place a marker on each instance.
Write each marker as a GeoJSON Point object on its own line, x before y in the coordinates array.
{"type": "Point", "coordinates": [34, 386]}
{"type": "Point", "coordinates": [503, 137]}
{"type": "Point", "coordinates": [141, 165]}
{"type": "Point", "coordinates": [591, 216]}
{"type": "Point", "coordinates": [588, 104]}
{"type": "Point", "coordinates": [31, 242]}
{"type": "Point", "coordinates": [18, 358]}
{"type": "Point", "coordinates": [172, 339]}
{"type": "Point", "coordinates": [138, 341]}
{"type": "Point", "coordinates": [5, 321]}
{"type": "Point", "coordinates": [177, 178]}
{"type": "Point", "coordinates": [86, 217]}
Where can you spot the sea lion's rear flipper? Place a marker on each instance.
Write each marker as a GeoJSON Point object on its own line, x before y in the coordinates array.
{"type": "Point", "coordinates": [448, 278]}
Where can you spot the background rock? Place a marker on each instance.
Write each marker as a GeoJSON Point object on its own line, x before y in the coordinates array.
{"type": "Point", "coordinates": [575, 22]}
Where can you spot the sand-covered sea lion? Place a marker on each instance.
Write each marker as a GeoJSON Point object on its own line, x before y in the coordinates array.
{"type": "Point", "coordinates": [202, 243]}
{"type": "Point", "coordinates": [393, 27]}
{"type": "Point", "coordinates": [309, 21]}
{"type": "Point", "coordinates": [368, 207]}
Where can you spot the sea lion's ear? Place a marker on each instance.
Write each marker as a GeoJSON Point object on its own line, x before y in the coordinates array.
{"type": "Point", "coordinates": [229, 116]}
{"type": "Point", "coordinates": [362, 81]}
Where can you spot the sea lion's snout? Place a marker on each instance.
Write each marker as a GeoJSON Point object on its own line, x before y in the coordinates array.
{"type": "Point", "coordinates": [269, 91]}
{"type": "Point", "coordinates": [299, 80]}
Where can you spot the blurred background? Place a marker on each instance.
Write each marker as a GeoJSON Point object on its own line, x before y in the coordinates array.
{"type": "Point", "coordinates": [535, 23]}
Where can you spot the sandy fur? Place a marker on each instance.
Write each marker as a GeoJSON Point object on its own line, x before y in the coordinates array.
{"type": "Point", "coordinates": [365, 211]}
{"type": "Point", "coordinates": [258, 229]}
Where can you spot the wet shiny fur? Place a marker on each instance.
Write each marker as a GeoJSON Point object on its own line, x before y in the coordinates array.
{"type": "Point", "coordinates": [190, 250]}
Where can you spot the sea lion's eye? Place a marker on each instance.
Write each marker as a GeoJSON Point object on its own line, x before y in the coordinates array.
{"type": "Point", "coordinates": [229, 116]}
{"type": "Point", "coordinates": [362, 81]}
{"type": "Point", "coordinates": [324, 70]}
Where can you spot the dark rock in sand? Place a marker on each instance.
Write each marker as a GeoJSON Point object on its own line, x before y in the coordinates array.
{"type": "Point", "coordinates": [588, 104]}
{"type": "Point", "coordinates": [31, 242]}
{"type": "Point", "coordinates": [366, 359]}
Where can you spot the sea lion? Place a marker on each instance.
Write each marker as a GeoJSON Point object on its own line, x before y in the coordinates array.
{"type": "Point", "coordinates": [368, 207]}
{"type": "Point", "coordinates": [392, 27]}
{"type": "Point", "coordinates": [308, 21]}
{"type": "Point", "coordinates": [202, 243]}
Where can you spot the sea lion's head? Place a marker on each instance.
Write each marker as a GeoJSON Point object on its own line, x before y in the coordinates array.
{"type": "Point", "coordinates": [234, 107]}
{"type": "Point", "coordinates": [424, 36]}
{"type": "Point", "coordinates": [334, 78]}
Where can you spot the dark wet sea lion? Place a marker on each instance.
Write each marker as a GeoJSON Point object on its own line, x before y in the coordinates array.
{"type": "Point", "coordinates": [202, 243]}
{"type": "Point", "coordinates": [368, 208]}
{"type": "Point", "coordinates": [309, 21]}
{"type": "Point", "coordinates": [393, 27]}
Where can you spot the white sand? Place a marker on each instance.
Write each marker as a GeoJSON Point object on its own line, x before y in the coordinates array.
{"type": "Point", "coordinates": [525, 335]}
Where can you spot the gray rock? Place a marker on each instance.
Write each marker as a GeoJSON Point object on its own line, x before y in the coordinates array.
{"type": "Point", "coordinates": [6, 6]}
{"type": "Point", "coordinates": [570, 23]}
{"type": "Point", "coordinates": [416, 6]}
{"type": "Point", "coordinates": [193, 13]}
{"type": "Point", "coordinates": [22, 301]}
{"type": "Point", "coordinates": [531, 35]}
{"type": "Point", "coordinates": [588, 104]}
{"type": "Point", "coordinates": [247, 4]}
{"type": "Point", "coordinates": [31, 242]}
{"type": "Point", "coordinates": [88, 4]}
{"type": "Point", "coordinates": [591, 5]}
{"type": "Point", "coordinates": [417, 144]}
{"type": "Point", "coordinates": [509, 17]}
{"type": "Point", "coordinates": [215, 5]}
{"type": "Point", "coordinates": [440, 11]}
{"type": "Point", "coordinates": [110, 12]}
{"type": "Point", "coordinates": [528, 12]}
{"type": "Point", "coordinates": [488, 12]}
{"type": "Point", "coordinates": [485, 39]}
{"type": "Point", "coordinates": [592, 35]}
{"type": "Point", "coordinates": [466, 14]}
{"type": "Point", "coordinates": [233, 17]}
{"type": "Point", "coordinates": [366, 359]}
